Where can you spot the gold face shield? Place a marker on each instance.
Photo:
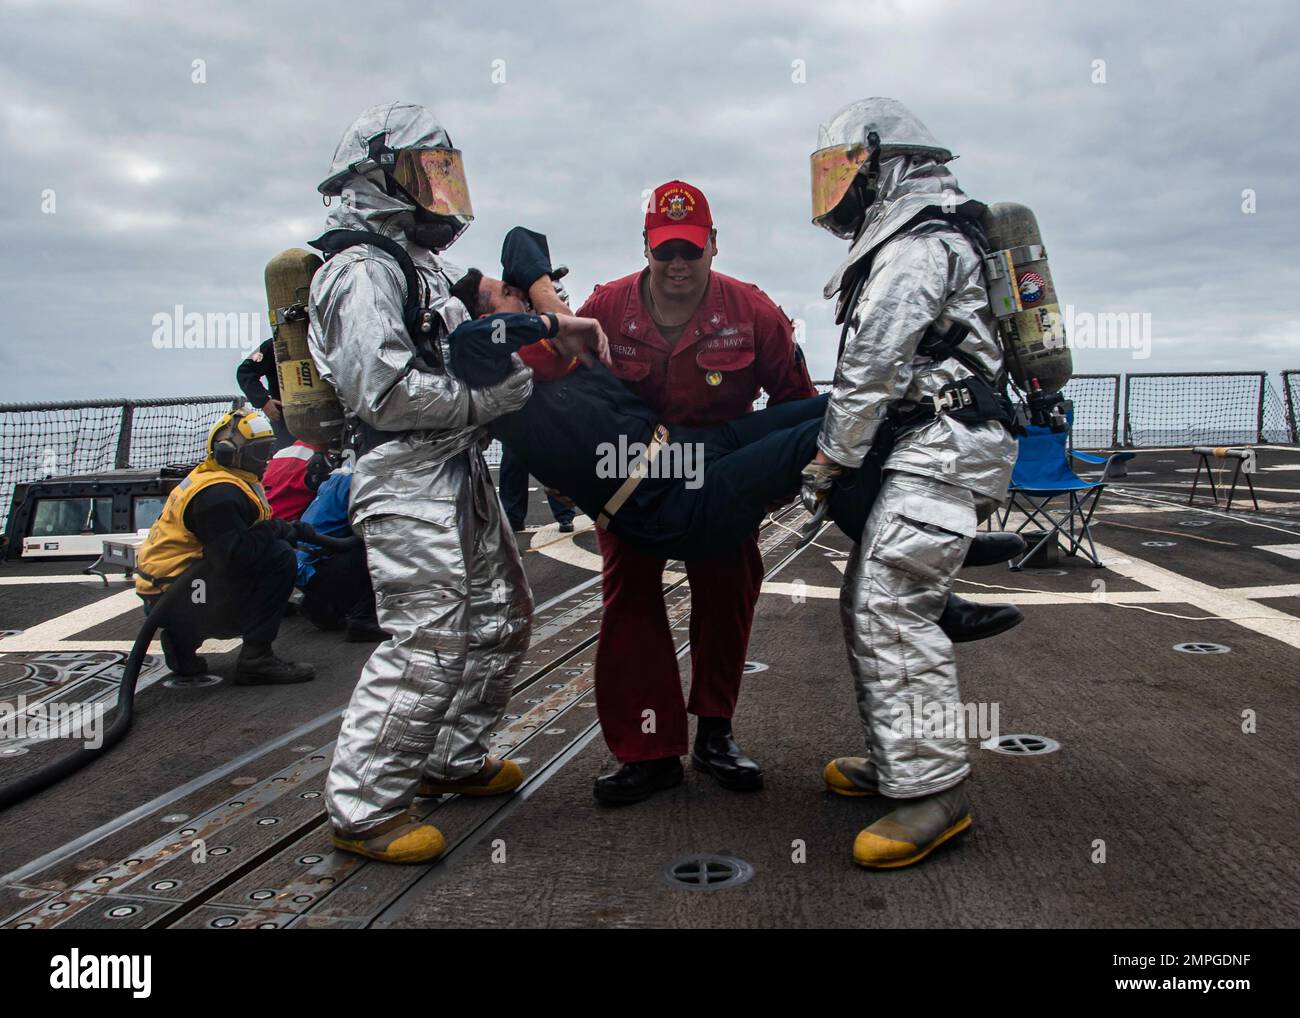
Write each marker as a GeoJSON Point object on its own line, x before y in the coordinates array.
{"type": "Point", "coordinates": [435, 179]}
{"type": "Point", "coordinates": [833, 170]}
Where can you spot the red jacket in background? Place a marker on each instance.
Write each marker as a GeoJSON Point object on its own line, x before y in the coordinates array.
{"type": "Point", "coordinates": [737, 343]}
{"type": "Point", "coordinates": [285, 481]}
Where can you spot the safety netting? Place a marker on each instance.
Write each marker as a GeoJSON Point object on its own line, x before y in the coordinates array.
{"type": "Point", "coordinates": [1096, 410]}
{"type": "Point", "coordinates": [173, 432]}
{"type": "Point", "coordinates": [1173, 409]}
{"type": "Point", "coordinates": [40, 440]}
{"type": "Point", "coordinates": [1291, 402]}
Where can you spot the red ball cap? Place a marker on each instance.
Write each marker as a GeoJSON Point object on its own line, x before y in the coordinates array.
{"type": "Point", "coordinates": [678, 211]}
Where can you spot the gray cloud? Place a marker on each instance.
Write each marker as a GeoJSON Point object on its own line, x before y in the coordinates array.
{"type": "Point", "coordinates": [170, 192]}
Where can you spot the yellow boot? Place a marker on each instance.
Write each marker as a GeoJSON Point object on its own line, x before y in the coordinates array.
{"type": "Point", "coordinates": [402, 840]}
{"type": "Point", "coordinates": [850, 775]}
{"type": "Point", "coordinates": [496, 777]}
{"type": "Point", "coordinates": [913, 830]}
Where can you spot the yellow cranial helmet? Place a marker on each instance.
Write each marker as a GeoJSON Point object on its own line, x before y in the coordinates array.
{"type": "Point", "coordinates": [242, 440]}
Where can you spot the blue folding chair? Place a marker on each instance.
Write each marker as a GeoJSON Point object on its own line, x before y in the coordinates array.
{"type": "Point", "coordinates": [1042, 474]}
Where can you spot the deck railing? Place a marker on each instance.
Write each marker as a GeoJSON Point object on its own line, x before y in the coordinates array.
{"type": "Point", "coordinates": [1140, 410]}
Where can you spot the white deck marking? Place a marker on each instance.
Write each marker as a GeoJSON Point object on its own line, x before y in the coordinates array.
{"type": "Point", "coordinates": [1285, 550]}
{"type": "Point", "coordinates": [61, 627]}
{"type": "Point", "coordinates": [25, 581]}
{"type": "Point", "coordinates": [1213, 601]}
{"type": "Point", "coordinates": [124, 646]}
{"type": "Point", "coordinates": [1274, 590]}
{"type": "Point", "coordinates": [561, 547]}
{"type": "Point", "coordinates": [55, 634]}
{"type": "Point", "coordinates": [1164, 587]}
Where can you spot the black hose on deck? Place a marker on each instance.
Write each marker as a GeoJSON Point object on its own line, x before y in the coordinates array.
{"type": "Point", "coordinates": [57, 770]}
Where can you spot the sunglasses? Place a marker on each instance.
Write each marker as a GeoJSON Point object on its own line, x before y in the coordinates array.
{"type": "Point", "coordinates": [677, 249]}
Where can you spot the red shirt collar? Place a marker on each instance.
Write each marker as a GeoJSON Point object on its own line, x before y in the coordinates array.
{"type": "Point", "coordinates": [709, 317]}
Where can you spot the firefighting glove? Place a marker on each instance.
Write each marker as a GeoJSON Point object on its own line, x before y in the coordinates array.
{"type": "Point", "coordinates": [817, 479]}
{"type": "Point", "coordinates": [505, 397]}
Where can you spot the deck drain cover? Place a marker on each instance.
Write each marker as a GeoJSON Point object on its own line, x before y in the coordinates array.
{"type": "Point", "coordinates": [707, 872]}
{"type": "Point", "coordinates": [1202, 648]}
{"type": "Point", "coordinates": [1044, 572]}
{"type": "Point", "coordinates": [1022, 745]}
{"type": "Point", "coordinates": [192, 681]}
{"type": "Point", "coordinates": [754, 666]}
{"type": "Point", "coordinates": [1195, 523]}
{"type": "Point", "coordinates": [1159, 544]}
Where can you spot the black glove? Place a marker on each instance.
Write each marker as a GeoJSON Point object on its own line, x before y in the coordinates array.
{"type": "Point", "coordinates": [525, 258]}
{"type": "Point", "coordinates": [318, 468]}
{"type": "Point", "coordinates": [281, 530]}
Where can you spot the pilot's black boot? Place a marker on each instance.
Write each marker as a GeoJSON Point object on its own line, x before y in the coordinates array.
{"type": "Point", "coordinates": [963, 621]}
{"type": "Point", "coordinates": [639, 780]}
{"type": "Point", "coordinates": [989, 547]}
{"type": "Point", "coordinates": [258, 666]}
{"type": "Point", "coordinates": [716, 753]}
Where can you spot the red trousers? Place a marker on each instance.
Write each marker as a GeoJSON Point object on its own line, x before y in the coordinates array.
{"type": "Point", "coordinates": [636, 665]}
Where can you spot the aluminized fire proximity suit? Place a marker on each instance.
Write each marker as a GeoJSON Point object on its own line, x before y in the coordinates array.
{"type": "Point", "coordinates": [940, 479]}
{"type": "Point", "coordinates": [449, 585]}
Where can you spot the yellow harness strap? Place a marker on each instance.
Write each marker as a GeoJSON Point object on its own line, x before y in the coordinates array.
{"type": "Point", "coordinates": [642, 468]}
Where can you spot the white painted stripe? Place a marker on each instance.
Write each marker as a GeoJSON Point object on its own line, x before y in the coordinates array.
{"type": "Point", "coordinates": [71, 623]}
{"type": "Point", "coordinates": [1285, 550]}
{"type": "Point", "coordinates": [1276, 590]}
{"type": "Point", "coordinates": [48, 646]}
{"type": "Point", "coordinates": [56, 633]}
{"type": "Point", "coordinates": [1275, 624]}
{"type": "Point", "coordinates": [26, 581]}
{"type": "Point", "coordinates": [561, 547]}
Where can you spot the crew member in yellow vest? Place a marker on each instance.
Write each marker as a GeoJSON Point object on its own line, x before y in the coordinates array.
{"type": "Point", "coordinates": [220, 513]}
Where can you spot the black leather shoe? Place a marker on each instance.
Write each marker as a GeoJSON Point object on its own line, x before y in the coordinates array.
{"type": "Point", "coordinates": [963, 621]}
{"type": "Point", "coordinates": [364, 632]}
{"type": "Point", "coordinates": [990, 547]}
{"type": "Point", "coordinates": [716, 753]}
{"type": "Point", "coordinates": [269, 670]}
{"type": "Point", "coordinates": [320, 617]}
{"type": "Point", "coordinates": [639, 780]}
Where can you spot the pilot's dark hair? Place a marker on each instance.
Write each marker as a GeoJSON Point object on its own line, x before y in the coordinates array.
{"type": "Point", "coordinates": [466, 290]}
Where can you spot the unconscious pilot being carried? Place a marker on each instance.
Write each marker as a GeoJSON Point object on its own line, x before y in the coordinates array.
{"type": "Point", "coordinates": [582, 432]}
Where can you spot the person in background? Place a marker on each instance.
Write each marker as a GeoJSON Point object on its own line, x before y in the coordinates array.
{"type": "Point", "coordinates": [219, 513]}
{"type": "Point", "coordinates": [260, 384]}
{"type": "Point", "coordinates": [336, 590]}
{"type": "Point", "coordinates": [293, 477]}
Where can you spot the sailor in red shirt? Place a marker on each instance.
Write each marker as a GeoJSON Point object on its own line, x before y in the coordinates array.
{"type": "Point", "coordinates": [697, 346]}
{"type": "Point", "coordinates": [289, 483]}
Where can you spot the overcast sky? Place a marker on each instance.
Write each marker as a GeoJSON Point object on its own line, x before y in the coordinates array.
{"type": "Point", "coordinates": [170, 191]}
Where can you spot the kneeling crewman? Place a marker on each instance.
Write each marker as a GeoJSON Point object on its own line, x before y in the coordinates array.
{"type": "Point", "coordinates": [220, 513]}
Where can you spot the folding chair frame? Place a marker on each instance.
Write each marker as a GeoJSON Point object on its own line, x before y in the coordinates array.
{"type": "Point", "coordinates": [1083, 503]}
{"type": "Point", "coordinates": [1036, 509]}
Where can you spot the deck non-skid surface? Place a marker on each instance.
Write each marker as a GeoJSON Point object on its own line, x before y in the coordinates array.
{"type": "Point", "coordinates": [1157, 809]}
